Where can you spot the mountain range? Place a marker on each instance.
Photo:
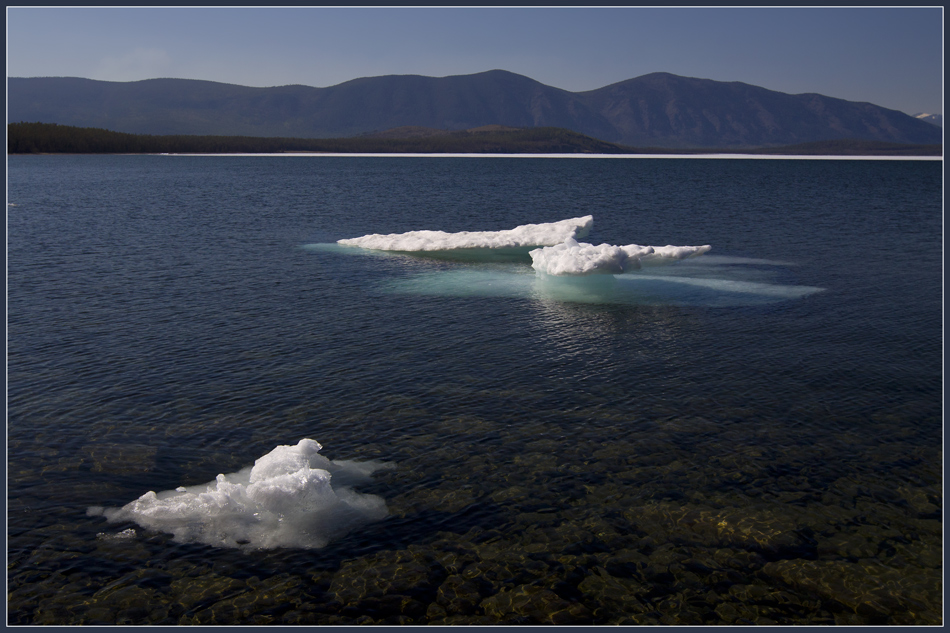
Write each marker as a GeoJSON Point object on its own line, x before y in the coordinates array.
{"type": "Point", "coordinates": [656, 110]}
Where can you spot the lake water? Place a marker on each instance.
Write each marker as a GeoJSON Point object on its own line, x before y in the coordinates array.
{"type": "Point", "coordinates": [751, 436]}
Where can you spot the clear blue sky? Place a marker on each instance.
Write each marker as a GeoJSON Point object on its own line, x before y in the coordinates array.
{"type": "Point", "coordinates": [891, 57]}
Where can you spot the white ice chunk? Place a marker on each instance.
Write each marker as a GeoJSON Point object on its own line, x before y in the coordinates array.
{"type": "Point", "coordinates": [284, 460]}
{"type": "Point", "coordinates": [291, 497]}
{"type": "Point", "coordinates": [573, 258]}
{"type": "Point", "coordinates": [577, 258]}
{"type": "Point", "coordinates": [124, 535]}
{"type": "Point", "coordinates": [668, 253]}
{"type": "Point", "coordinates": [526, 235]}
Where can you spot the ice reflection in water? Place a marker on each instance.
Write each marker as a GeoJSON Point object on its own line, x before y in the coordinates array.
{"type": "Point", "coordinates": [715, 288]}
{"type": "Point", "coordinates": [589, 333]}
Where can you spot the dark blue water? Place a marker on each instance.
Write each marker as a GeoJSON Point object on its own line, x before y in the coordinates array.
{"type": "Point", "coordinates": [668, 454]}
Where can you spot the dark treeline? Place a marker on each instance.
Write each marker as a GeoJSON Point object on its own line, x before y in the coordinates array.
{"type": "Point", "coordinates": [51, 138]}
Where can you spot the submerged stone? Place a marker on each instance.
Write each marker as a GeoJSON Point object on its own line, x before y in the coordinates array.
{"type": "Point", "coordinates": [540, 606]}
{"type": "Point", "coordinates": [458, 595]}
{"type": "Point", "coordinates": [121, 459]}
{"type": "Point", "coordinates": [401, 573]}
{"type": "Point", "coordinates": [871, 590]}
{"type": "Point", "coordinates": [769, 528]}
{"type": "Point", "coordinates": [612, 597]}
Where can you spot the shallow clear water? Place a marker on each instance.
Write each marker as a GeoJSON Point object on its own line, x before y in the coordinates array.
{"type": "Point", "coordinates": [751, 436]}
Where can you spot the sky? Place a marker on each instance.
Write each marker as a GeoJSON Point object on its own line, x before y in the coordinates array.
{"type": "Point", "coordinates": [892, 57]}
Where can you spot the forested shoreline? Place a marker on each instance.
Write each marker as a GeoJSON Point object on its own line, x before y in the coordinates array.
{"type": "Point", "coordinates": [52, 138]}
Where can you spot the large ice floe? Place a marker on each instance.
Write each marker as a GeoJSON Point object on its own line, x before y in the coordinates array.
{"type": "Point", "coordinates": [520, 237]}
{"type": "Point", "coordinates": [576, 258]}
{"type": "Point", "coordinates": [568, 270]}
{"type": "Point", "coordinates": [291, 497]}
{"type": "Point", "coordinates": [552, 247]}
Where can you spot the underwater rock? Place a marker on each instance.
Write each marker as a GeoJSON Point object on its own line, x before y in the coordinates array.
{"type": "Point", "coordinates": [57, 613]}
{"type": "Point", "coordinates": [205, 588]}
{"type": "Point", "coordinates": [511, 495]}
{"type": "Point", "coordinates": [538, 605]}
{"type": "Point", "coordinates": [542, 517]}
{"type": "Point", "coordinates": [435, 613]}
{"type": "Point", "coordinates": [443, 499]}
{"type": "Point", "coordinates": [401, 572]}
{"type": "Point", "coordinates": [871, 590]}
{"type": "Point", "coordinates": [504, 570]}
{"type": "Point", "coordinates": [121, 459]}
{"type": "Point", "coordinates": [611, 597]}
{"type": "Point", "coordinates": [301, 617]}
{"type": "Point", "coordinates": [468, 425]}
{"type": "Point", "coordinates": [852, 544]}
{"type": "Point", "coordinates": [458, 595]}
{"type": "Point", "coordinates": [576, 538]}
{"type": "Point", "coordinates": [452, 552]}
{"type": "Point", "coordinates": [739, 560]}
{"type": "Point", "coordinates": [675, 610]}
{"type": "Point", "coordinates": [773, 533]}
{"type": "Point", "coordinates": [925, 553]}
{"type": "Point", "coordinates": [266, 597]}
{"type": "Point", "coordinates": [769, 528]}
{"type": "Point", "coordinates": [922, 500]}
{"type": "Point", "coordinates": [129, 604]}
{"type": "Point", "coordinates": [535, 463]}
{"type": "Point", "coordinates": [626, 563]}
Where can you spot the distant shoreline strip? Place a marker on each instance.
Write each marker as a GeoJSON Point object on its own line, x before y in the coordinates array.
{"type": "Point", "coordinates": [576, 155]}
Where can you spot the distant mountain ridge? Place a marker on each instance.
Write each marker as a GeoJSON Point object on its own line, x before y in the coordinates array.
{"type": "Point", "coordinates": [655, 110]}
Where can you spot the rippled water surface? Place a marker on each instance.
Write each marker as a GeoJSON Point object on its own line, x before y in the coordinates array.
{"type": "Point", "coordinates": [753, 436]}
